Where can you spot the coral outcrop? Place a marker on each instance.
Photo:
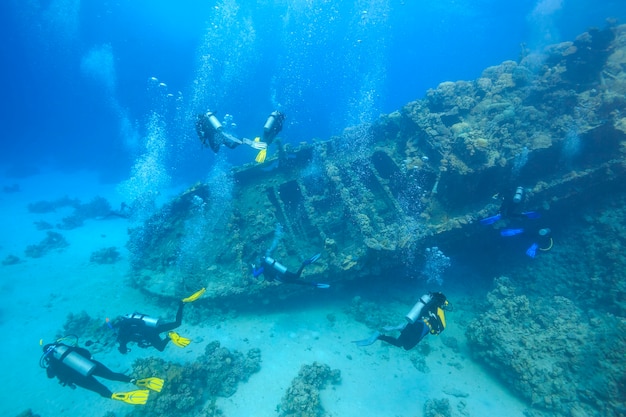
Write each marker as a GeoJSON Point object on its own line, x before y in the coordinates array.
{"type": "Point", "coordinates": [190, 389]}
{"type": "Point", "coordinates": [302, 398]}
{"type": "Point", "coordinates": [553, 354]}
{"type": "Point", "coordinates": [105, 256]}
{"type": "Point", "coordinates": [52, 241]}
{"type": "Point", "coordinates": [11, 260]}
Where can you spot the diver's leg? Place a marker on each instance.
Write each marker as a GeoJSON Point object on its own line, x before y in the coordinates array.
{"type": "Point", "coordinates": [159, 344]}
{"type": "Point", "coordinates": [92, 384]}
{"type": "Point", "coordinates": [412, 335]}
{"type": "Point", "coordinates": [289, 277]}
{"type": "Point", "coordinates": [166, 327]}
{"type": "Point", "coordinates": [391, 340]}
{"type": "Point", "coordinates": [154, 339]}
{"type": "Point", "coordinates": [104, 372]}
{"type": "Point", "coordinates": [299, 272]}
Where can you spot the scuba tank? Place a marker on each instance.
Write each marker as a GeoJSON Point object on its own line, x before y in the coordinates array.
{"type": "Point", "coordinates": [519, 195]}
{"type": "Point", "coordinates": [73, 360]}
{"type": "Point", "coordinates": [272, 126]}
{"type": "Point", "coordinates": [213, 120]}
{"type": "Point", "coordinates": [152, 322]}
{"type": "Point", "coordinates": [415, 312]}
{"type": "Point", "coordinates": [274, 264]}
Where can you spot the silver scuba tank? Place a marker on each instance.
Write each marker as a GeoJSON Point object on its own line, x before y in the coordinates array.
{"type": "Point", "coordinates": [414, 314]}
{"type": "Point", "coordinates": [149, 321]}
{"type": "Point", "coordinates": [519, 195]}
{"type": "Point", "coordinates": [73, 360]}
{"type": "Point", "coordinates": [269, 123]}
{"type": "Point", "coordinates": [213, 120]}
{"type": "Point", "coordinates": [274, 264]}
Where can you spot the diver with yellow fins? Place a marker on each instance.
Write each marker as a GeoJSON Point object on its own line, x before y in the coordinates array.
{"type": "Point", "coordinates": [426, 316]}
{"type": "Point", "coordinates": [74, 366]}
{"type": "Point", "coordinates": [145, 330]}
{"type": "Point", "coordinates": [212, 134]}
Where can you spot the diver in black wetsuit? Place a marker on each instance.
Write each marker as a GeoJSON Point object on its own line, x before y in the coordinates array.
{"type": "Point", "coordinates": [74, 366]}
{"type": "Point", "coordinates": [145, 330]}
{"type": "Point", "coordinates": [427, 316]}
{"type": "Point", "coordinates": [275, 271]}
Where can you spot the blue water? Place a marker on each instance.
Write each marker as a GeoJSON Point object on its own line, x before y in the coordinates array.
{"type": "Point", "coordinates": [77, 75]}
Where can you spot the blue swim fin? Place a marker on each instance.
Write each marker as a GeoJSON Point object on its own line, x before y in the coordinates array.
{"type": "Point", "coordinates": [490, 220]}
{"type": "Point", "coordinates": [368, 341]}
{"type": "Point", "coordinates": [312, 259]}
{"type": "Point", "coordinates": [511, 232]}
{"type": "Point", "coordinates": [532, 250]}
{"type": "Point", "coordinates": [320, 285]}
{"type": "Point", "coordinates": [531, 214]}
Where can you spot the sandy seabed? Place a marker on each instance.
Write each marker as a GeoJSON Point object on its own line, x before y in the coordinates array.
{"type": "Point", "coordinates": [379, 380]}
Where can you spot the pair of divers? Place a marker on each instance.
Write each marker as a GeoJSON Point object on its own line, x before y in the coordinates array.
{"type": "Point", "coordinates": [212, 134]}
{"type": "Point", "coordinates": [512, 211]}
{"type": "Point", "coordinates": [75, 366]}
{"type": "Point", "coordinates": [426, 317]}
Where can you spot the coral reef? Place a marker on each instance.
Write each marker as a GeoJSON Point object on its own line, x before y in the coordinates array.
{"type": "Point", "coordinates": [43, 206]}
{"type": "Point", "coordinates": [437, 408]}
{"type": "Point", "coordinates": [372, 314]}
{"type": "Point", "coordinates": [187, 387]}
{"type": "Point", "coordinates": [28, 413]}
{"type": "Point", "coordinates": [302, 398]}
{"type": "Point", "coordinates": [94, 331]}
{"type": "Point", "coordinates": [98, 207]}
{"type": "Point", "coordinates": [10, 189]}
{"type": "Point", "coordinates": [105, 256]}
{"type": "Point", "coordinates": [43, 225]}
{"type": "Point", "coordinates": [552, 353]}
{"type": "Point", "coordinates": [11, 260]}
{"type": "Point", "coordinates": [53, 241]}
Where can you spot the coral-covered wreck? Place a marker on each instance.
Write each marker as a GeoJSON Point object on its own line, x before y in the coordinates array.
{"type": "Point", "coordinates": [374, 198]}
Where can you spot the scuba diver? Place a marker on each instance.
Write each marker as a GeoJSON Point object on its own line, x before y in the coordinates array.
{"type": "Point", "coordinates": [145, 330]}
{"type": "Point", "coordinates": [272, 270]}
{"type": "Point", "coordinates": [272, 127]}
{"type": "Point", "coordinates": [212, 133]}
{"type": "Point", "coordinates": [512, 211]}
{"type": "Point", "coordinates": [74, 366]}
{"type": "Point", "coordinates": [125, 211]}
{"type": "Point", "coordinates": [426, 316]}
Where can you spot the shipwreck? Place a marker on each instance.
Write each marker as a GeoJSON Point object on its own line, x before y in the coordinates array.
{"type": "Point", "coordinates": [374, 198]}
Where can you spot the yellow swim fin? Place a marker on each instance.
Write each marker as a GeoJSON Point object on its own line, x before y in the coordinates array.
{"type": "Point", "coordinates": [260, 157]}
{"type": "Point", "coordinates": [153, 383]}
{"type": "Point", "coordinates": [179, 340]}
{"type": "Point", "coordinates": [137, 397]}
{"type": "Point", "coordinates": [193, 297]}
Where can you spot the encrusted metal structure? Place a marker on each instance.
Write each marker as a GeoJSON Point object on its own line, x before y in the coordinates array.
{"type": "Point", "coordinates": [372, 199]}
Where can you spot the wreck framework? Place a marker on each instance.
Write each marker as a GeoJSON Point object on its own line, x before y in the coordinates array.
{"type": "Point", "coordinates": [373, 198]}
